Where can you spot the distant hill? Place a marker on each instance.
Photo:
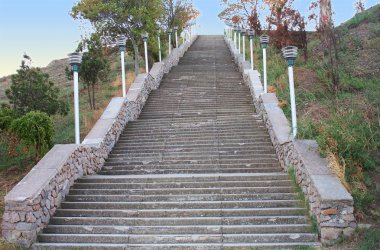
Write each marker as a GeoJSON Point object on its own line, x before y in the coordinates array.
{"type": "Point", "coordinates": [55, 69]}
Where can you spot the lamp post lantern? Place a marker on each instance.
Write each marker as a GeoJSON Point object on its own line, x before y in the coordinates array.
{"type": "Point", "coordinates": [144, 36]}
{"type": "Point", "coordinates": [290, 55]}
{"type": "Point", "coordinates": [121, 43]}
{"type": "Point", "coordinates": [170, 31]}
{"type": "Point", "coordinates": [75, 59]}
{"type": "Point", "coordinates": [251, 35]}
{"type": "Point", "coordinates": [264, 40]}
{"type": "Point", "coordinates": [176, 36]}
{"type": "Point", "coordinates": [243, 31]}
{"type": "Point", "coordinates": [159, 45]}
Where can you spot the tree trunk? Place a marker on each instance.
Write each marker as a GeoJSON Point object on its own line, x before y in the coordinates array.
{"type": "Point", "coordinates": [325, 15]}
{"type": "Point", "coordinates": [89, 95]}
{"type": "Point", "coordinates": [93, 96]}
{"type": "Point", "coordinates": [136, 51]}
{"type": "Point", "coordinates": [329, 38]}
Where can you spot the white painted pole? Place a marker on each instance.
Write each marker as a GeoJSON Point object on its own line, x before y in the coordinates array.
{"type": "Point", "coordinates": [251, 48]}
{"type": "Point", "coordinates": [243, 37]}
{"type": "Point", "coordinates": [176, 39]}
{"type": "Point", "coordinates": [146, 57]}
{"type": "Point", "coordinates": [159, 48]}
{"type": "Point", "coordinates": [235, 40]}
{"type": "Point", "coordinates": [265, 70]}
{"type": "Point", "coordinates": [123, 74]}
{"type": "Point", "coordinates": [170, 46]}
{"type": "Point", "coordinates": [76, 107]}
{"type": "Point", "coordinates": [292, 101]}
{"type": "Point", "coordinates": [239, 43]}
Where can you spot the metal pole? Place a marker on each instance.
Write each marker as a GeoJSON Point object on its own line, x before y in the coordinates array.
{"type": "Point", "coordinates": [292, 101]}
{"type": "Point", "coordinates": [251, 48]}
{"type": "Point", "coordinates": [123, 74]}
{"type": "Point", "coordinates": [235, 42]}
{"type": "Point", "coordinates": [170, 49]}
{"type": "Point", "coordinates": [76, 107]}
{"type": "Point", "coordinates": [159, 48]}
{"type": "Point", "coordinates": [146, 57]}
{"type": "Point", "coordinates": [176, 39]}
{"type": "Point", "coordinates": [265, 70]}
{"type": "Point", "coordinates": [243, 48]}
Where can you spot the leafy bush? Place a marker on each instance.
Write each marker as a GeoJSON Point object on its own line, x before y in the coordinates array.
{"type": "Point", "coordinates": [35, 129]}
{"type": "Point", "coordinates": [6, 117]}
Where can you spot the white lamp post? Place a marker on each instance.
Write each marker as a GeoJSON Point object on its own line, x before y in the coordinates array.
{"type": "Point", "coordinates": [145, 39]}
{"type": "Point", "coordinates": [239, 35]}
{"type": "Point", "coordinates": [251, 34]}
{"type": "Point", "coordinates": [159, 45]}
{"type": "Point", "coordinates": [235, 34]}
{"type": "Point", "coordinates": [75, 59]}
{"type": "Point", "coordinates": [264, 40]}
{"type": "Point", "coordinates": [121, 43]}
{"type": "Point", "coordinates": [170, 39]}
{"type": "Point", "coordinates": [176, 36]}
{"type": "Point", "coordinates": [290, 54]}
{"type": "Point", "coordinates": [243, 37]}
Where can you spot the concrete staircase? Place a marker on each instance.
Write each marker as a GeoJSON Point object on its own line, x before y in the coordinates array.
{"type": "Point", "coordinates": [196, 171]}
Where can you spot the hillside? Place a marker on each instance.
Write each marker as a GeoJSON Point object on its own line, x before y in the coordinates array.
{"type": "Point", "coordinates": [346, 123]}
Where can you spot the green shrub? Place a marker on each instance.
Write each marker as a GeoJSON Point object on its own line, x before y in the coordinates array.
{"type": "Point", "coordinates": [370, 240]}
{"type": "Point", "coordinates": [35, 129]}
{"type": "Point", "coordinates": [7, 115]}
{"type": "Point", "coordinates": [366, 16]}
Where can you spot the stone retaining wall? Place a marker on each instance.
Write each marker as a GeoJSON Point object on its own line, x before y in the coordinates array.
{"type": "Point", "coordinates": [31, 203]}
{"type": "Point", "coordinates": [328, 200]}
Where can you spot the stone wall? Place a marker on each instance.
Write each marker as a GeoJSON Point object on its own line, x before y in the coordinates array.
{"type": "Point", "coordinates": [328, 200]}
{"type": "Point", "coordinates": [31, 203]}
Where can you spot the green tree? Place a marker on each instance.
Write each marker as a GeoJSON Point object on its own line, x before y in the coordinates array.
{"type": "Point", "coordinates": [178, 13]}
{"type": "Point", "coordinates": [35, 129]}
{"type": "Point", "coordinates": [94, 67]}
{"type": "Point", "coordinates": [32, 90]}
{"type": "Point", "coordinates": [128, 17]}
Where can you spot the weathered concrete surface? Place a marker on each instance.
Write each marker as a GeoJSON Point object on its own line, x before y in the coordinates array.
{"type": "Point", "coordinates": [329, 201]}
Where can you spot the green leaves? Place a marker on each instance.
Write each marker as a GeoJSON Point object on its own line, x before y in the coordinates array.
{"type": "Point", "coordinates": [35, 129]}
{"type": "Point", "coordinates": [32, 90]}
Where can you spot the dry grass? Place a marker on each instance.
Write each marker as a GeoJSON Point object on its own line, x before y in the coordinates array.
{"type": "Point", "coordinates": [89, 121]}
{"type": "Point", "coordinates": [338, 169]}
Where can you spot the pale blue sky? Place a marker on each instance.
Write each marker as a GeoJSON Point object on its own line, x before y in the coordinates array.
{"type": "Point", "coordinates": [45, 31]}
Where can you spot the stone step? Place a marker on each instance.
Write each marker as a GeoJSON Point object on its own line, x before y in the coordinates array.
{"type": "Point", "coordinates": [181, 205]}
{"type": "Point", "coordinates": [200, 190]}
{"type": "Point", "coordinates": [124, 196]}
{"type": "Point", "coordinates": [178, 246]}
{"type": "Point", "coordinates": [115, 184]}
{"type": "Point", "coordinates": [169, 238]}
{"type": "Point", "coordinates": [200, 229]}
{"type": "Point", "coordinates": [180, 213]}
{"type": "Point", "coordinates": [187, 171]}
{"type": "Point", "coordinates": [180, 221]}
{"type": "Point", "coordinates": [259, 168]}
{"type": "Point", "coordinates": [176, 178]}
{"type": "Point", "coordinates": [200, 149]}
